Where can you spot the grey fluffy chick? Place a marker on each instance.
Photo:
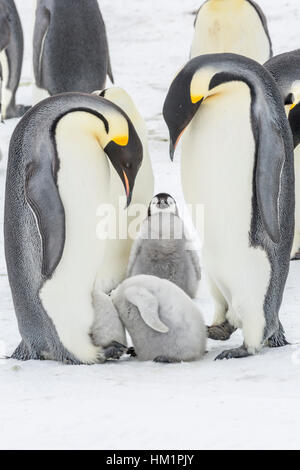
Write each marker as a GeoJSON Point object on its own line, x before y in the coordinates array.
{"type": "Point", "coordinates": [161, 249]}
{"type": "Point", "coordinates": [165, 325]}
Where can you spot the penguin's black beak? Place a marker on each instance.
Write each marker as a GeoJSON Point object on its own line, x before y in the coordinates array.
{"type": "Point", "coordinates": [172, 150]}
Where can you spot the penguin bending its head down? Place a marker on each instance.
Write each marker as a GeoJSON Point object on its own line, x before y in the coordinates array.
{"type": "Point", "coordinates": [237, 162]}
{"type": "Point", "coordinates": [162, 251]}
{"type": "Point", "coordinates": [11, 59]}
{"type": "Point", "coordinates": [118, 249]}
{"type": "Point", "coordinates": [237, 26]}
{"type": "Point", "coordinates": [165, 325]}
{"type": "Point", "coordinates": [285, 69]}
{"type": "Point", "coordinates": [61, 157]}
{"type": "Point", "coordinates": [70, 48]}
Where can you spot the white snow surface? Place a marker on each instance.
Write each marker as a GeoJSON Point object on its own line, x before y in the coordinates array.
{"type": "Point", "coordinates": [251, 403]}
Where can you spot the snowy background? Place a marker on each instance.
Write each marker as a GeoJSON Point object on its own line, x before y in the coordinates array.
{"type": "Point", "coordinates": [252, 403]}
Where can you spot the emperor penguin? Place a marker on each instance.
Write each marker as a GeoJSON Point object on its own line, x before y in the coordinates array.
{"type": "Point", "coordinates": [165, 325]}
{"type": "Point", "coordinates": [117, 255]}
{"type": "Point", "coordinates": [70, 48]}
{"type": "Point", "coordinates": [285, 69]}
{"type": "Point", "coordinates": [11, 59]}
{"type": "Point", "coordinates": [237, 163]}
{"type": "Point", "coordinates": [58, 176]}
{"type": "Point", "coordinates": [237, 26]}
{"type": "Point", "coordinates": [162, 248]}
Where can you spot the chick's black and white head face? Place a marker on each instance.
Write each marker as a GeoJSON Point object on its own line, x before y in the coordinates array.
{"type": "Point", "coordinates": [162, 202]}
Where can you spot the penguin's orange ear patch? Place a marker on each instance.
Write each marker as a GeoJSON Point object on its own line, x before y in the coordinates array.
{"type": "Point", "coordinates": [293, 105]}
{"type": "Point", "coordinates": [196, 98]}
{"type": "Point", "coordinates": [121, 140]}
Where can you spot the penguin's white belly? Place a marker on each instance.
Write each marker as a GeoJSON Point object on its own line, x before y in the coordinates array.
{"type": "Point", "coordinates": [217, 171]}
{"type": "Point", "coordinates": [231, 26]}
{"type": "Point", "coordinates": [83, 182]}
{"type": "Point", "coordinates": [6, 93]}
{"type": "Point", "coordinates": [296, 244]}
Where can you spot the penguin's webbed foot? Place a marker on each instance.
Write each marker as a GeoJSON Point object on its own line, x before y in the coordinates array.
{"type": "Point", "coordinates": [17, 111]}
{"type": "Point", "coordinates": [114, 350]}
{"type": "Point", "coordinates": [236, 353]}
{"type": "Point", "coordinates": [278, 339]}
{"type": "Point", "coordinates": [221, 332]}
{"type": "Point", "coordinates": [296, 257]}
{"type": "Point", "coordinates": [131, 352]}
{"type": "Point", "coordinates": [165, 360]}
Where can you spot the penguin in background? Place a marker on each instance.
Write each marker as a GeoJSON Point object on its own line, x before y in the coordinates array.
{"type": "Point", "coordinates": [237, 161]}
{"type": "Point", "coordinates": [11, 59]}
{"type": "Point", "coordinates": [57, 177]}
{"type": "Point", "coordinates": [116, 257]}
{"type": "Point", "coordinates": [237, 26]}
{"type": "Point", "coordinates": [285, 69]}
{"type": "Point", "coordinates": [70, 48]}
{"type": "Point", "coordinates": [162, 248]}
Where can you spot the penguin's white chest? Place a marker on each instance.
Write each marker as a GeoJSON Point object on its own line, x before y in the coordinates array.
{"type": "Point", "coordinates": [218, 159]}
{"type": "Point", "coordinates": [230, 26]}
{"type": "Point", "coordinates": [83, 182]}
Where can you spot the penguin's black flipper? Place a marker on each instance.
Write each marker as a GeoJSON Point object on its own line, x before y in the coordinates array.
{"type": "Point", "coordinates": [43, 198]}
{"type": "Point", "coordinates": [271, 154]}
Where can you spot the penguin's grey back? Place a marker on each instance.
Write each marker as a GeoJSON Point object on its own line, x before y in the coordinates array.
{"type": "Point", "coordinates": [74, 55]}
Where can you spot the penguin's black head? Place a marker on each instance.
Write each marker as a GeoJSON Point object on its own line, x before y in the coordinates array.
{"type": "Point", "coordinates": [292, 100]}
{"type": "Point", "coordinates": [126, 157]}
{"type": "Point", "coordinates": [202, 78]}
{"type": "Point", "coordinates": [162, 202]}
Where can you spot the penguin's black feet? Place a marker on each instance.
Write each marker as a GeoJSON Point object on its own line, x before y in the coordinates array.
{"type": "Point", "coordinates": [114, 350]}
{"type": "Point", "coordinates": [17, 111]}
{"type": "Point", "coordinates": [278, 339]}
{"type": "Point", "coordinates": [236, 353]}
{"type": "Point", "coordinates": [131, 352]}
{"type": "Point", "coordinates": [296, 257]}
{"type": "Point", "coordinates": [165, 360]}
{"type": "Point", "coordinates": [221, 332]}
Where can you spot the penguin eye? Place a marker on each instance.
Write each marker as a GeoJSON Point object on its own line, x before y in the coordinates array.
{"type": "Point", "coordinates": [127, 165]}
{"type": "Point", "coordinates": [170, 201]}
{"type": "Point", "coordinates": [154, 201]}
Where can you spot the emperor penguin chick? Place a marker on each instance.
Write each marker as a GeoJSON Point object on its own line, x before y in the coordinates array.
{"type": "Point", "coordinates": [107, 331]}
{"type": "Point", "coordinates": [165, 325]}
{"type": "Point", "coordinates": [162, 251]}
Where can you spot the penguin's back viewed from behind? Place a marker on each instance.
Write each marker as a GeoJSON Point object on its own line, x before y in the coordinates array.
{"type": "Point", "coordinates": [70, 47]}
{"type": "Point", "coordinates": [237, 26]}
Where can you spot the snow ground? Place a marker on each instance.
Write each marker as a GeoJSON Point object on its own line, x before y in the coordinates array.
{"type": "Point", "coordinates": [248, 404]}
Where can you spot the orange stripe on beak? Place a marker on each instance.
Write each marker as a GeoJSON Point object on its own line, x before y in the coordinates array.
{"type": "Point", "coordinates": [177, 141]}
{"type": "Point", "coordinates": [126, 184]}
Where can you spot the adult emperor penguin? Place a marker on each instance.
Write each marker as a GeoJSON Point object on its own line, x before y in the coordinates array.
{"type": "Point", "coordinates": [285, 68]}
{"type": "Point", "coordinates": [11, 58]}
{"type": "Point", "coordinates": [70, 49]}
{"type": "Point", "coordinates": [58, 175]}
{"type": "Point", "coordinates": [237, 161]}
{"type": "Point", "coordinates": [237, 26]}
{"type": "Point", "coordinates": [118, 254]}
